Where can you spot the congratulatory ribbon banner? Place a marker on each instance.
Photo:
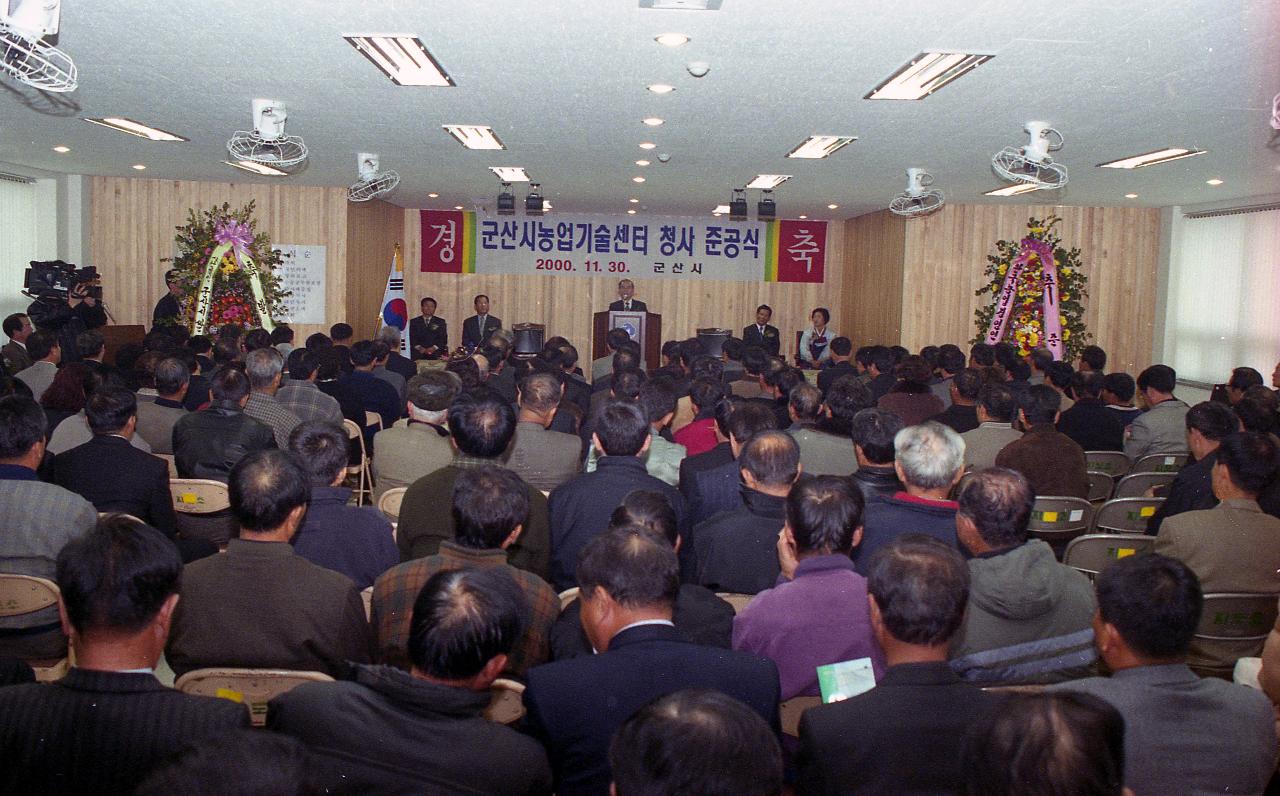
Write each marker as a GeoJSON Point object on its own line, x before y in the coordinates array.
{"type": "Point", "coordinates": [458, 242]}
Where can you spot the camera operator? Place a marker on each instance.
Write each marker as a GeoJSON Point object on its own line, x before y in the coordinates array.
{"type": "Point", "coordinates": [79, 312]}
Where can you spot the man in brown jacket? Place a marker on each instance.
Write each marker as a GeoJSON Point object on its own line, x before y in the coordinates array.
{"type": "Point", "coordinates": [1050, 461]}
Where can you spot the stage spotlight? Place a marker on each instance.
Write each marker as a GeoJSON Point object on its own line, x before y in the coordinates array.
{"type": "Point", "coordinates": [766, 208]}
{"type": "Point", "coordinates": [506, 200]}
{"type": "Point", "coordinates": [738, 205]}
{"type": "Point", "coordinates": [533, 202]}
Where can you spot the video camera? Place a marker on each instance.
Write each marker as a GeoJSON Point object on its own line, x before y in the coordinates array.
{"type": "Point", "coordinates": [55, 279]}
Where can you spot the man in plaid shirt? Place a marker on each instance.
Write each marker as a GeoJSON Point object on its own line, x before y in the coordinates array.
{"type": "Point", "coordinates": [490, 506]}
{"type": "Point", "coordinates": [300, 395]}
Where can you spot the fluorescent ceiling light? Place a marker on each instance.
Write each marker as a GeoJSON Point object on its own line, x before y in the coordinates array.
{"type": "Point", "coordinates": [256, 168]}
{"type": "Point", "coordinates": [402, 58]}
{"type": "Point", "coordinates": [1214, 181]}
{"type": "Point", "coordinates": [474, 136]}
{"type": "Point", "coordinates": [637, 179]}
{"type": "Point", "coordinates": [642, 163]}
{"type": "Point", "coordinates": [631, 212]}
{"type": "Point", "coordinates": [433, 196]}
{"type": "Point", "coordinates": [457, 207]}
{"type": "Point", "coordinates": [671, 39]}
{"type": "Point", "coordinates": [139, 167]}
{"type": "Point", "coordinates": [546, 205]}
{"type": "Point", "coordinates": [510, 173]}
{"type": "Point", "coordinates": [720, 209]}
{"type": "Point", "coordinates": [832, 207]}
{"type": "Point", "coordinates": [653, 121]}
{"type": "Point", "coordinates": [661, 88]}
{"type": "Point", "coordinates": [802, 217]}
{"type": "Point", "coordinates": [647, 145]}
{"type": "Point", "coordinates": [1152, 158]}
{"type": "Point", "coordinates": [1013, 190]}
{"type": "Point", "coordinates": [135, 128]}
{"type": "Point", "coordinates": [62, 150]}
{"type": "Point", "coordinates": [634, 201]}
{"type": "Point", "coordinates": [925, 74]}
{"type": "Point", "coordinates": [768, 182]}
{"type": "Point", "coordinates": [819, 146]}
{"type": "Point", "coordinates": [1131, 196]}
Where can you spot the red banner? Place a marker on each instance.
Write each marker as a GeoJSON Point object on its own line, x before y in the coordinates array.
{"type": "Point", "coordinates": [802, 251]}
{"type": "Point", "coordinates": [444, 242]}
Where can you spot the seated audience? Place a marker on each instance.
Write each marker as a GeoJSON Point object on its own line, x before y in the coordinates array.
{"type": "Point", "coordinates": [700, 617]}
{"type": "Point", "coordinates": [904, 735]}
{"type": "Point", "coordinates": [490, 506]}
{"type": "Point", "coordinates": [1059, 376]}
{"type": "Point", "coordinates": [699, 435]}
{"type": "Point", "coordinates": [1029, 616]}
{"type": "Point", "coordinates": [580, 508]}
{"type": "Point", "coordinates": [545, 459]}
{"type": "Point", "coordinates": [629, 581]}
{"type": "Point", "coordinates": [1089, 422]}
{"type": "Point", "coordinates": [873, 434]}
{"type": "Point", "coordinates": [995, 411]}
{"type": "Point", "coordinates": [961, 414]}
{"type": "Point", "coordinates": [817, 614]}
{"type": "Point", "coordinates": [776, 395]}
{"type": "Point", "coordinates": [951, 361]}
{"type": "Point", "coordinates": [67, 393]}
{"type": "Point", "coordinates": [263, 762]}
{"type": "Point", "coordinates": [354, 540]}
{"type": "Point", "coordinates": [260, 605]}
{"type": "Point", "coordinates": [157, 418]}
{"type": "Point", "coordinates": [37, 519]}
{"type": "Point", "coordinates": [754, 362]}
{"type": "Point", "coordinates": [481, 426]}
{"type": "Point", "coordinates": [1148, 609]}
{"type": "Point", "coordinates": [736, 551]}
{"type": "Point", "coordinates": [369, 730]}
{"type": "Point", "coordinates": [422, 445]}
{"type": "Point", "coordinates": [821, 453]}
{"type": "Point", "coordinates": [657, 399]}
{"type": "Point", "coordinates": [104, 725]}
{"type": "Point", "coordinates": [1118, 390]}
{"type": "Point", "coordinates": [695, 742]}
{"type": "Point", "coordinates": [910, 397]}
{"type": "Point", "coordinates": [1052, 462]}
{"type": "Point", "coordinates": [1232, 547]}
{"type": "Point", "coordinates": [841, 351]}
{"type": "Point", "coordinates": [1208, 423]}
{"type": "Point", "coordinates": [1241, 380]}
{"type": "Point", "coordinates": [1046, 745]}
{"type": "Point", "coordinates": [1092, 358]}
{"type": "Point", "coordinates": [208, 443]}
{"type": "Point", "coordinates": [264, 366]}
{"type": "Point", "coordinates": [299, 393]}
{"type": "Point", "coordinates": [716, 489]}
{"type": "Point", "coordinates": [382, 369]}
{"type": "Point", "coordinates": [45, 354]}
{"type": "Point", "coordinates": [112, 474]}
{"type": "Point", "coordinates": [1162, 428]}
{"type": "Point", "coordinates": [929, 461]}
{"type": "Point", "coordinates": [373, 394]}
{"type": "Point", "coordinates": [881, 362]}
{"type": "Point", "coordinates": [602, 367]}
{"type": "Point", "coordinates": [720, 455]}
{"type": "Point", "coordinates": [846, 398]}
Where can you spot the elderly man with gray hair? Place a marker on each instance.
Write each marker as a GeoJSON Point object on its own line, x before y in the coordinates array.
{"type": "Point", "coordinates": [420, 446]}
{"type": "Point", "coordinates": [263, 367]}
{"type": "Point", "coordinates": [929, 461]}
{"type": "Point", "coordinates": [396, 361]}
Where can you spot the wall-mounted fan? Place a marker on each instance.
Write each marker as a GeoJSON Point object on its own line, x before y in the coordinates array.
{"type": "Point", "coordinates": [24, 55]}
{"type": "Point", "coordinates": [372, 183]}
{"type": "Point", "coordinates": [267, 143]}
{"type": "Point", "coordinates": [1031, 163]}
{"type": "Point", "coordinates": [919, 199]}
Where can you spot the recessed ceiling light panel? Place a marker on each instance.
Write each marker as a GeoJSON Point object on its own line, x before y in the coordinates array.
{"type": "Point", "coordinates": [660, 88]}
{"type": "Point", "coordinates": [637, 179]}
{"type": "Point", "coordinates": [1152, 158]}
{"type": "Point", "coordinates": [647, 145]}
{"type": "Point", "coordinates": [767, 182]}
{"type": "Point", "coordinates": [820, 146]}
{"type": "Point", "coordinates": [510, 173]}
{"type": "Point", "coordinates": [653, 121]}
{"type": "Point", "coordinates": [474, 136]}
{"type": "Point", "coordinates": [1013, 190]}
{"type": "Point", "coordinates": [135, 128]}
{"type": "Point", "coordinates": [682, 5]}
{"type": "Point", "coordinates": [671, 39]}
{"type": "Point", "coordinates": [139, 167]}
{"type": "Point", "coordinates": [832, 207]}
{"type": "Point", "coordinates": [62, 150]}
{"type": "Point", "coordinates": [403, 58]}
{"type": "Point", "coordinates": [720, 210]}
{"type": "Point", "coordinates": [256, 168]}
{"type": "Point", "coordinates": [1214, 181]}
{"type": "Point", "coordinates": [1131, 196]}
{"type": "Point", "coordinates": [925, 74]}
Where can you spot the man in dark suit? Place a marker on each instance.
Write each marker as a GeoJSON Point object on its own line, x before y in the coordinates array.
{"type": "Point", "coordinates": [1088, 421]}
{"type": "Point", "coordinates": [428, 335]}
{"type": "Point", "coordinates": [17, 327]}
{"type": "Point", "coordinates": [1208, 423]}
{"type": "Point", "coordinates": [576, 705]}
{"type": "Point", "coordinates": [101, 728]}
{"type": "Point", "coordinates": [841, 351]}
{"type": "Point", "coordinates": [904, 735]}
{"type": "Point", "coordinates": [169, 308]}
{"type": "Point", "coordinates": [761, 334]}
{"type": "Point", "coordinates": [625, 302]}
{"type": "Point", "coordinates": [477, 328]}
{"type": "Point", "coordinates": [716, 489]}
{"type": "Point", "coordinates": [396, 362]}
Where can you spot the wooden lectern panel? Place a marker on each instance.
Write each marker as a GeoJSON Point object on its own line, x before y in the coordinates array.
{"type": "Point", "coordinates": [117, 335]}
{"type": "Point", "coordinates": [650, 329]}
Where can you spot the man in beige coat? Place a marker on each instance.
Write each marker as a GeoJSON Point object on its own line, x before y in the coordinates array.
{"type": "Point", "coordinates": [545, 459]}
{"type": "Point", "coordinates": [405, 453]}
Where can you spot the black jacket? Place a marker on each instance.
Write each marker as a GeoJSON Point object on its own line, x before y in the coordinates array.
{"type": "Point", "coordinates": [636, 306]}
{"type": "Point", "coordinates": [958, 418]}
{"type": "Point", "coordinates": [1093, 426]}
{"type": "Point", "coordinates": [429, 333]}
{"type": "Point", "coordinates": [113, 475]}
{"type": "Point", "coordinates": [66, 322]}
{"type": "Point", "coordinates": [828, 376]}
{"type": "Point", "coordinates": [1191, 490]}
{"type": "Point", "coordinates": [737, 550]}
{"type": "Point", "coordinates": [886, 517]}
{"type": "Point", "coordinates": [875, 480]}
{"type": "Point", "coordinates": [100, 732]}
{"type": "Point", "coordinates": [207, 444]}
{"type": "Point", "coordinates": [771, 341]}
{"type": "Point", "coordinates": [700, 618]}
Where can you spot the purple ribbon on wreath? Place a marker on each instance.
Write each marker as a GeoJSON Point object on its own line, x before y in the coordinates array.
{"type": "Point", "coordinates": [233, 232]}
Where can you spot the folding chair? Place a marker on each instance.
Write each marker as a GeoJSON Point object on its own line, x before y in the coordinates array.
{"type": "Point", "coordinates": [1234, 620]}
{"type": "Point", "coordinates": [1101, 486]}
{"type": "Point", "coordinates": [738, 601]}
{"type": "Point", "coordinates": [1125, 515]}
{"type": "Point", "coordinates": [373, 419]}
{"type": "Point", "coordinates": [567, 596]}
{"type": "Point", "coordinates": [364, 489]}
{"type": "Point", "coordinates": [1160, 463]}
{"type": "Point", "coordinates": [1137, 484]}
{"type": "Point", "coordinates": [203, 508]}
{"type": "Point", "coordinates": [252, 687]}
{"type": "Point", "coordinates": [366, 596]}
{"type": "Point", "coordinates": [1059, 519]}
{"type": "Point", "coordinates": [1113, 463]}
{"type": "Point", "coordinates": [791, 710]}
{"type": "Point", "coordinates": [1094, 552]}
{"type": "Point", "coordinates": [389, 503]}
{"type": "Point", "coordinates": [23, 594]}
{"type": "Point", "coordinates": [173, 464]}
{"type": "Point", "coordinates": [506, 701]}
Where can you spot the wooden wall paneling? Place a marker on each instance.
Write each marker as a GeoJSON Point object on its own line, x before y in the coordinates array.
{"type": "Point", "coordinates": [873, 273]}
{"type": "Point", "coordinates": [133, 226]}
{"type": "Point", "coordinates": [566, 303]}
{"type": "Point", "coordinates": [373, 230]}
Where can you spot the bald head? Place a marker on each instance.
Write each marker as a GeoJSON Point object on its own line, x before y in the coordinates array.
{"type": "Point", "coordinates": [540, 393]}
{"type": "Point", "coordinates": [772, 459]}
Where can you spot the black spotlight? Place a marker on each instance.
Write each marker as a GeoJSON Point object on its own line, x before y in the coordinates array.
{"type": "Point", "coordinates": [738, 205]}
{"type": "Point", "coordinates": [766, 208]}
{"type": "Point", "coordinates": [533, 202]}
{"type": "Point", "coordinates": [506, 200]}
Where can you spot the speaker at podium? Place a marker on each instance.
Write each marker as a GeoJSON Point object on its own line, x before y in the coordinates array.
{"type": "Point", "coordinates": [643, 327]}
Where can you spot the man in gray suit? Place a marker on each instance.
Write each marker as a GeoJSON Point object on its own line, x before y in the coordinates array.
{"type": "Point", "coordinates": [545, 459]}
{"type": "Point", "coordinates": [1182, 734]}
{"type": "Point", "coordinates": [422, 446]}
{"type": "Point", "coordinates": [995, 427]}
{"type": "Point", "coordinates": [1163, 427]}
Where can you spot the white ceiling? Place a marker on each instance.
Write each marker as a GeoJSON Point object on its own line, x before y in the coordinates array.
{"type": "Point", "coordinates": [563, 85]}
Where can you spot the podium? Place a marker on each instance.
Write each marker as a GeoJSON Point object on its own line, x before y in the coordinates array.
{"type": "Point", "coordinates": [643, 327]}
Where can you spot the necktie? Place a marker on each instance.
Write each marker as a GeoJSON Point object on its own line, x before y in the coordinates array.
{"type": "Point", "coordinates": [626, 305]}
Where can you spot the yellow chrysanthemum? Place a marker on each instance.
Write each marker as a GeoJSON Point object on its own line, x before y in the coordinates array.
{"type": "Point", "coordinates": [1067, 272]}
{"type": "Point", "coordinates": [1066, 333]}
